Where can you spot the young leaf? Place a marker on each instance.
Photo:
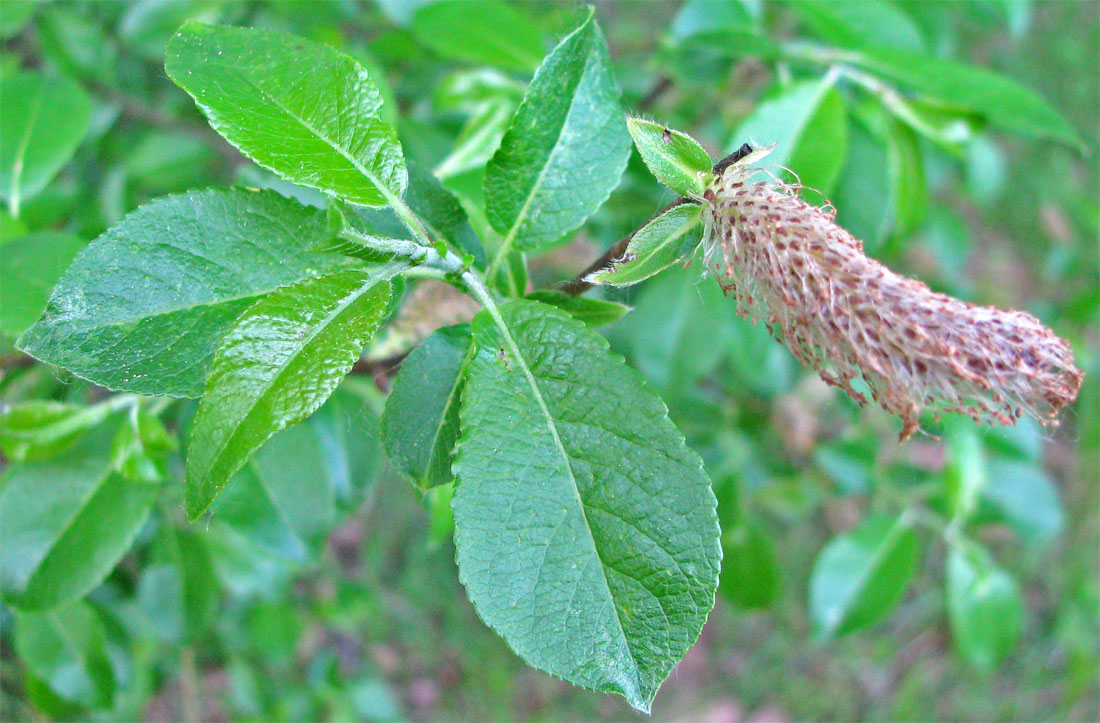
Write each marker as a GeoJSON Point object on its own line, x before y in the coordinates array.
{"type": "Point", "coordinates": [861, 574]}
{"type": "Point", "coordinates": [674, 158]}
{"type": "Point", "coordinates": [669, 238]}
{"type": "Point", "coordinates": [143, 306]}
{"type": "Point", "coordinates": [983, 605]}
{"type": "Point", "coordinates": [965, 475]}
{"type": "Point", "coordinates": [593, 312]}
{"type": "Point", "coordinates": [305, 111]}
{"type": "Point", "coordinates": [565, 150]}
{"type": "Point", "coordinates": [39, 429]}
{"type": "Point", "coordinates": [492, 32]}
{"type": "Point", "coordinates": [65, 522]}
{"type": "Point", "coordinates": [276, 365]}
{"type": "Point", "coordinates": [66, 648]}
{"type": "Point", "coordinates": [585, 528]}
{"type": "Point", "coordinates": [43, 122]}
{"type": "Point", "coordinates": [420, 424]}
{"type": "Point", "coordinates": [29, 268]}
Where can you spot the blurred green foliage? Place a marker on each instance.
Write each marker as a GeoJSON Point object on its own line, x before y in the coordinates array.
{"type": "Point", "coordinates": [966, 565]}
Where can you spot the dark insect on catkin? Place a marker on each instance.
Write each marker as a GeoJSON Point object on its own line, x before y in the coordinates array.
{"type": "Point", "coordinates": [849, 317]}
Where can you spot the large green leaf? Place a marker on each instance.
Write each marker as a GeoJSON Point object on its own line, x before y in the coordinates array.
{"type": "Point", "coordinates": [585, 528]}
{"type": "Point", "coordinates": [861, 574]}
{"type": "Point", "coordinates": [669, 238]}
{"type": "Point", "coordinates": [566, 148]}
{"type": "Point", "coordinates": [420, 424]}
{"type": "Point", "coordinates": [43, 122]}
{"type": "Point", "coordinates": [66, 648]}
{"type": "Point", "coordinates": [29, 267]}
{"type": "Point", "coordinates": [808, 123]}
{"type": "Point", "coordinates": [306, 111]}
{"type": "Point", "coordinates": [143, 306]}
{"type": "Point", "coordinates": [65, 522]}
{"type": "Point", "coordinates": [488, 31]}
{"type": "Point", "coordinates": [983, 605]}
{"type": "Point", "coordinates": [1001, 100]}
{"type": "Point", "coordinates": [276, 365]}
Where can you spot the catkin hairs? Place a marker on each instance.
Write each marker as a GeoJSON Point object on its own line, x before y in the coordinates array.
{"type": "Point", "coordinates": [789, 264]}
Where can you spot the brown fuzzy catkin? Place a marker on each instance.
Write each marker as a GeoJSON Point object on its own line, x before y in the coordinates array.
{"type": "Point", "coordinates": [848, 316]}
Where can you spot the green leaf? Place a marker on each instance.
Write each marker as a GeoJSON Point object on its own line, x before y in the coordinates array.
{"type": "Point", "coordinates": [983, 605]}
{"type": "Point", "coordinates": [305, 111]}
{"type": "Point", "coordinates": [860, 575]}
{"type": "Point", "coordinates": [39, 429]}
{"type": "Point", "coordinates": [66, 647]}
{"type": "Point", "coordinates": [593, 312]}
{"type": "Point", "coordinates": [750, 574]}
{"type": "Point", "coordinates": [276, 365]}
{"type": "Point", "coordinates": [965, 475]}
{"type": "Point", "coordinates": [29, 267]}
{"type": "Point", "coordinates": [420, 424]}
{"type": "Point", "coordinates": [669, 238]}
{"type": "Point", "coordinates": [565, 150]}
{"type": "Point", "coordinates": [44, 120]}
{"type": "Point", "coordinates": [511, 279]}
{"type": "Point", "coordinates": [479, 138]}
{"type": "Point", "coordinates": [853, 24]}
{"type": "Point", "coordinates": [143, 306]}
{"type": "Point", "coordinates": [77, 43]}
{"type": "Point", "coordinates": [490, 32]}
{"type": "Point", "coordinates": [441, 213]}
{"type": "Point", "coordinates": [147, 25]}
{"type": "Point", "coordinates": [910, 194]}
{"type": "Point", "coordinates": [65, 522]}
{"type": "Point", "coordinates": [808, 123]}
{"type": "Point", "coordinates": [999, 99]}
{"type": "Point", "coordinates": [17, 13]}
{"type": "Point", "coordinates": [681, 327]}
{"type": "Point", "coordinates": [177, 591]}
{"type": "Point", "coordinates": [274, 504]}
{"type": "Point", "coordinates": [1027, 498]}
{"type": "Point", "coordinates": [674, 158]}
{"type": "Point", "coordinates": [585, 528]}
{"type": "Point", "coordinates": [140, 449]}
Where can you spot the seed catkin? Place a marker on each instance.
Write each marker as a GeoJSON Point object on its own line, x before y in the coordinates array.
{"type": "Point", "coordinates": [849, 317]}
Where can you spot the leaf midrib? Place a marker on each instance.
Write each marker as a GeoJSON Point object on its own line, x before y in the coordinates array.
{"type": "Point", "coordinates": [551, 426]}
{"type": "Point", "coordinates": [366, 287]}
{"type": "Point", "coordinates": [509, 239]}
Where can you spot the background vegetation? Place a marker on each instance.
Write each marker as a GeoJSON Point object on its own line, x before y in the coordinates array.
{"type": "Point", "coordinates": [361, 615]}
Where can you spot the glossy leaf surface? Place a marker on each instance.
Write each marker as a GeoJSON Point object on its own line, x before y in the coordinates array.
{"type": "Point", "coordinates": [278, 363]}
{"type": "Point", "coordinates": [566, 148]}
{"type": "Point", "coordinates": [143, 306]}
{"type": "Point", "coordinates": [585, 528]}
{"type": "Point", "coordinates": [306, 111]}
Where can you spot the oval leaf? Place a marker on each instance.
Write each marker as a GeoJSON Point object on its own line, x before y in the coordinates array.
{"type": "Point", "coordinates": [65, 522]}
{"type": "Point", "coordinates": [861, 574]}
{"type": "Point", "coordinates": [670, 237]}
{"type": "Point", "coordinates": [585, 528]}
{"type": "Point", "coordinates": [565, 150]}
{"type": "Point", "coordinates": [143, 306]}
{"type": "Point", "coordinates": [420, 424]}
{"type": "Point", "coordinates": [488, 31]}
{"type": "Point", "coordinates": [983, 605]}
{"type": "Point", "coordinates": [306, 111]}
{"type": "Point", "coordinates": [276, 365]}
{"type": "Point", "coordinates": [674, 158]}
{"type": "Point", "coordinates": [43, 122]}
{"type": "Point", "coordinates": [66, 648]}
